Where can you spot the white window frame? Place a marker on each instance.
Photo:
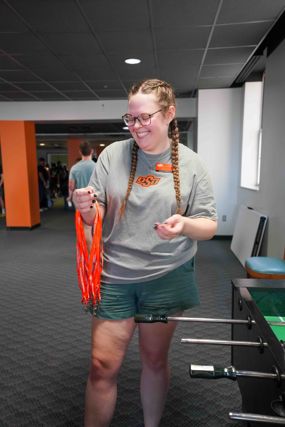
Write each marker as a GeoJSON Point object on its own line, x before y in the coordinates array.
{"type": "Point", "coordinates": [251, 135]}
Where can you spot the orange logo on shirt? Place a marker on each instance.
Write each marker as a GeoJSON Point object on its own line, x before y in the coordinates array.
{"type": "Point", "coordinates": [148, 180]}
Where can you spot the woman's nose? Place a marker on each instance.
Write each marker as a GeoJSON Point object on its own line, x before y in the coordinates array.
{"type": "Point", "coordinates": [137, 123]}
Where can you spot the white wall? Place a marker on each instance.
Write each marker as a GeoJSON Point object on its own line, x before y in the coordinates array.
{"type": "Point", "coordinates": [219, 142]}
{"type": "Point", "coordinates": [80, 110]}
{"type": "Point", "coordinates": [270, 199]}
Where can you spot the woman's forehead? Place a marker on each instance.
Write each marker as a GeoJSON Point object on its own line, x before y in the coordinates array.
{"type": "Point", "coordinates": [143, 100]}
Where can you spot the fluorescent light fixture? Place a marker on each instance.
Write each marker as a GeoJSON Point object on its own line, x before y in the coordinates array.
{"type": "Point", "coordinates": [132, 61]}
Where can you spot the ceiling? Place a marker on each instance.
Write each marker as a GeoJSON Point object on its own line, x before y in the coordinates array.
{"type": "Point", "coordinates": [70, 50]}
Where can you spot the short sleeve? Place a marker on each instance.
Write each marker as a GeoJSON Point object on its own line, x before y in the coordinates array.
{"type": "Point", "coordinates": [71, 174]}
{"type": "Point", "coordinates": [202, 201]}
{"type": "Point", "coordinates": [99, 177]}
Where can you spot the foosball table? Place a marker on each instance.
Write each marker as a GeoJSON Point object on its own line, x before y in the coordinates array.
{"type": "Point", "coordinates": [257, 349]}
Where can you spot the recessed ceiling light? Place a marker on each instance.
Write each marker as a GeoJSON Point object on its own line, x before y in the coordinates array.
{"type": "Point", "coordinates": [132, 61]}
{"type": "Point", "coordinates": [102, 145]}
{"type": "Point", "coordinates": [42, 144]}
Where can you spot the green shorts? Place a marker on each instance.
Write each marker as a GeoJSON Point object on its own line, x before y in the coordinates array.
{"type": "Point", "coordinates": [170, 294]}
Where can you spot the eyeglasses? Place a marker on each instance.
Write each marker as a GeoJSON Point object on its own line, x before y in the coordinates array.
{"type": "Point", "coordinates": [144, 118]}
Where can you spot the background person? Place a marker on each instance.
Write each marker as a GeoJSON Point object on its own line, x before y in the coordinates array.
{"type": "Point", "coordinates": [79, 177]}
{"type": "Point", "coordinates": [43, 179]}
{"type": "Point", "coordinates": [157, 201]}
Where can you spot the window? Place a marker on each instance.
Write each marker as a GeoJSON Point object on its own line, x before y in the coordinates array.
{"type": "Point", "coordinates": [251, 135]}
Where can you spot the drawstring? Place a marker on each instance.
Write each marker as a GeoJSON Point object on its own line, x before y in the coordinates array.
{"type": "Point", "coordinates": [89, 266]}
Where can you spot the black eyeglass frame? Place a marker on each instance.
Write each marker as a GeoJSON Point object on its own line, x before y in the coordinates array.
{"type": "Point", "coordinates": [135, 118]}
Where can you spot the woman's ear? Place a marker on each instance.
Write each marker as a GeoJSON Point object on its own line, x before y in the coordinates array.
{"type": "Point", "coordinates": [171, 113]}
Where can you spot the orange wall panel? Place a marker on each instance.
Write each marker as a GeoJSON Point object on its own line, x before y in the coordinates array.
{"type": "Point", "coordinates": [18, 148]}
{"type": "Point", "coordinates": [73, 153]}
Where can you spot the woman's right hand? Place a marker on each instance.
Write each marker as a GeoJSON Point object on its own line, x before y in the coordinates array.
{"type": "Point", "coordinates": [84, 199]}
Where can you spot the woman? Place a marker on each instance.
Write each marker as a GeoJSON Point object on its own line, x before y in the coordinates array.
{"type": "Point", "coordinates": [156, 201]}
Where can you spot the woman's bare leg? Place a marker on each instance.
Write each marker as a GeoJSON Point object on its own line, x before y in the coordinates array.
{"type": "Point", "coordinates": [154, 345]}
{"type": "Point", "coordinates": [110, 339]}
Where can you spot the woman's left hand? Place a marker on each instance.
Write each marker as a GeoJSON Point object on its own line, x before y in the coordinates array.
{"type": "Point", "coordinates": [171, 227]}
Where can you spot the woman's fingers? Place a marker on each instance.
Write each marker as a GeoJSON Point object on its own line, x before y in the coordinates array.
{"type": "Point", "coordinates": [84, 199]}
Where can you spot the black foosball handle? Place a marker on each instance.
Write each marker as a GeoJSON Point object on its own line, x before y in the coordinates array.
{"type": "Point", "coordinates": [150, 318]}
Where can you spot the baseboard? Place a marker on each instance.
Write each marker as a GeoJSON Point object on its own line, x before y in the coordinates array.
{"type": "Point", "coordinates": [23, 228]}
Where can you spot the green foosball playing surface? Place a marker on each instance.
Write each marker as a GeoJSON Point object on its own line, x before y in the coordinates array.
{"type": "Point", "coordinates": [279, 331]}
{"type": "Point", "coordinates": [271, 303]}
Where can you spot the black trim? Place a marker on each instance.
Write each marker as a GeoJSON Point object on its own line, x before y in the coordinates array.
{"type": "Point", "coordinates": [221, 237]}
{"type": "Point", "coordinates": [270, 42]}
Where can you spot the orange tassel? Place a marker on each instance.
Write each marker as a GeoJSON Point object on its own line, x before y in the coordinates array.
{"type": "Point", "coordinates": [89, 266]}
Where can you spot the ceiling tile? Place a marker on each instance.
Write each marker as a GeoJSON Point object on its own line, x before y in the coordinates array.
{"type": "Point", "coordinates": [119, 15]}
{"type": "Point", "coordinates": [78, 62]}
{"type": "Point", "coordinates": [9, 22]}
{"type": "Point", "coordinates": [182, 13]}
{"type": "Point", "coordinates": [18, 96]}
{"type": "Point", "coordinates": [45, 59]}
{"type": "Point", "coordinates": [7, 63]}
{"type": "Point", "coordinates": [126, 40]}
{"type": "Point", "coordinates": [50, 74]}
{"type": "Point", "coordinates": [50, 96]}
{"type": "Point", "coordinates": [68, 85]}
{"type": "Point", "coordinates": [77, 95]}
{"type": "Point", "coordinates": [190, 57]}
{"type": "Point", "coordinates": [111, 94]}
{"type": "Point", "coordinates": [174, 61]}
{"type": "Point", "coordinates": [17, 76]}
{"type": "Point", "coordinates": [5, 87]}
{"type": "Point", "coordinates": [72, 44]}
{"type": "Point", "coordinates": [104, 84]}
{"type": "Point", "coordinates": [228, 55]}
{"type": "Point", "coordinates": [215, 83]}
{"type": "Point", "coordinates": [51, 16]}
{"type": "Point", "coordinates": [20, 43]}
{"type": "Point", "coordinates": [34, 86]}
{"type": "Point", "coordinates": [250, 10]}
{"type": "Point", "coordinates": [221, 70]}
{"type": "Point", "coordinates": [182, 38]}
{"type": "Point", "coordinates": [238, 35]}
{"type": "Point", "coordinates": [138, 71]}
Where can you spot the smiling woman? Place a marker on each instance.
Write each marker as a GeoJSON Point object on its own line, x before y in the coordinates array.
{"type": "Point", "coordinates": [156, 201]}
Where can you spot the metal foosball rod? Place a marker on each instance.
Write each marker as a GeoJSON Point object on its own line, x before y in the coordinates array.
{"type": "Point", "coordinates": [259, 344]}
{"type": "Point", "coordinates": [155, 318]}
{"type": "Point", "coordinates": [215, 372]}
{"type": "Point", "coordinates": [243, 416]}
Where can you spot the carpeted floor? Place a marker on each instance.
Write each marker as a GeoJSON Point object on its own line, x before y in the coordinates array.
{"type": "Point", "coordinates": [45, 336]}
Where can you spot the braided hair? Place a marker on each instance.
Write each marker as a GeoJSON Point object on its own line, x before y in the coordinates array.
{"type": "Point", "coordinates": [166, 98]}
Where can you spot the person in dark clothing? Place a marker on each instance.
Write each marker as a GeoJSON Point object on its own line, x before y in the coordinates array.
{"type": "Point", "coordinates": [43, 178]}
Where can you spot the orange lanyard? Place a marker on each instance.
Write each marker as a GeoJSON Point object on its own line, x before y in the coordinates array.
{"type": "Point", "coordinates": [89, 266]}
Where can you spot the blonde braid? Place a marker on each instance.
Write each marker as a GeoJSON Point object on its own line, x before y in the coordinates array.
{"type": "Point", "coordinates": [131, 177]}
{"type": "Point", "coordinates": [174, 132]}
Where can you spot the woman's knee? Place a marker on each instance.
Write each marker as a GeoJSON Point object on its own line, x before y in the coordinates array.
{"type": "Point", "coordinates": [103, 368]}
{"type": "Point", "coordinates": [155, 361]}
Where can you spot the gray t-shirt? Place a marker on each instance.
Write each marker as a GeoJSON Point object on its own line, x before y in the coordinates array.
{"type": "Point", "coordinates": [81, 172]}
{"type": "Point", "coordinates": [133, 252]}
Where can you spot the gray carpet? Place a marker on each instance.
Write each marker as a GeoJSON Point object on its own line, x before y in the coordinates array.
{"type": "Point", "coordinates": [45, 336]}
